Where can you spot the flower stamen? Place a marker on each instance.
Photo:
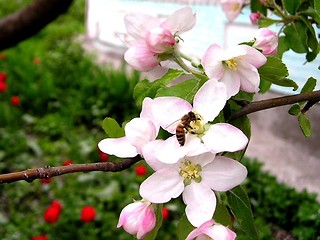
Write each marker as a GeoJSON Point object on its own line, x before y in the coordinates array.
{"type": "Point", "coordinates": [190, 171]}
{"type": "Point", "coordinates": [231, 63]}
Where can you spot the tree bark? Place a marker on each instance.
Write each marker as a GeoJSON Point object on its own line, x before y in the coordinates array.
{"type": "Point", "coordinates": [30, 20]}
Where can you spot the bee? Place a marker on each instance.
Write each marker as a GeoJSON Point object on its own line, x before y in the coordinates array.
{"type": "Point", "coordinates": [185, 127]}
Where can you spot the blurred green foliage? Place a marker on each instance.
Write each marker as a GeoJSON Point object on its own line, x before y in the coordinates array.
{"type": "Point", "coordinates": [64, 97]}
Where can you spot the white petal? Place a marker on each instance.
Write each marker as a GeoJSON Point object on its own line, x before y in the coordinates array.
{"type": "Point", "coordinates": [212, 63]}
{"type": "Point", "coordinates": [194, 145]}
{"type": "Point", "coordinates": [201, 203]}
{"type": "Point", "coordinates": [170, 151]}
{"type": "Point", "coordinates": [140, 131]}
{"type": "Point", "coordinates": [254, 57]}
{"type": "Point", "coordinates": [180, 21]}
{"type": "Point", "coordinates": [249, 77]}
{"type": "Point", "coordinates": [222, 137]}
{"type": "Point", "coordinates": [162, 185]}
{"type": "Point", "coordinates": [169, 110]}
{"type": "Point", "coordinates": [210, 99]}
{"type": "Point", "coordinates": [223, 174]}
{"type": "Point", "coordinates": [119, 147]}
{"type": "Point", "coordinates": [141, 58]}
{"type": "Point", "coordinates": [220, 232]}
{"type": "Point", "coordinates": [232, 81]}
{"type": "Point", "coordinates": [138, 24]}
{"type": "Point", "coordinates": [202, 159]}
{"type": "Point", "coordinates": [148, 152]}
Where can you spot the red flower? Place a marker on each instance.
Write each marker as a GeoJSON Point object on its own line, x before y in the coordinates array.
{"type": "Point", "coordinates": [141, 170]}
{"type": "Point", "coordinates": [67, 162]}
{"type": "Point", "coordinates": [56, 204]}
{"type": "Point", "coordinates": [15, 100]}
{"type": "Point", "coordinates": [165, 213]}
{"type": "Point", "coordinates": [104, 157]}
{"type": "Point", "coordinates": [3, 77]}
{"type": "Point", "coordinates": [88, 214]}
{"type": "Point", "coordinates": [46, 180]}
{"type": "Point", "coordinates": [42, 237]}
{"type": "Point", "coordinates": [3, 56]}
{"type": "Point", "coordinates": [3, 86]}
{"type": "Point", "coordinates": [52, 214]}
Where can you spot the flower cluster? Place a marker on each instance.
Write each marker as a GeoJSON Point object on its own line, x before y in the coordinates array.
{"type": "Point", "coordinates": [191, 162]}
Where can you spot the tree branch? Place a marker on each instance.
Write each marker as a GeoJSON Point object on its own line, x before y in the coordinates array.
{"type": "Point", "coordinates": [275, 102]}
{"type": "Point", "coordinates": [30, 20]}
{"type": "Point", "coordinates": [48, 172]}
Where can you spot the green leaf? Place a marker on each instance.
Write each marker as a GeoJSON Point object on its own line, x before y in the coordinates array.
{"type": "Point", "coordinates": [317, 6]}
{"type": "Point", "coordinates": [295, 110]}
{"type": "Point", "coordinates": [305, 125]}
{"type": "Point", "coordinates": [309, 85]}
{"type": "Point", "coordinates": [146, 88]}
{"type": "Point", "coordinates": [266, 22]}
{"type": "Point", "coordinates": [292, 6]}
{"type": "Point", "coordinates": [240, 205]}
{"type": "Point", "coordinates": [256, 6]}
{"type": "Point", "coordinates": [243, 96]}
{"type": "Point", "coordinates": [264, 86]}
{"type": "Point", "coordinates": [222, 215]}
{"type": "Point", "coordinates": [275, 71]}
{"type": "Point", "coordinates": [282, 46]}
{"type": "Point", "coordinates": [186, 90]}
{"type": "Point", "coordinates": [184, 228]}
{"type": "Point", "coordinates": [296, 36]}
{"type": "Point", "coordinates": [153, 234]}
{"type": "Point", "coordinates": [112, 128]}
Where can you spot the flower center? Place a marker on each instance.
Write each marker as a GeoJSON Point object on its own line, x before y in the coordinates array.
{"type": "Point", "coordinates": [190, 171]}
{"type": "Point", "coordinates": [235, 7]}
{"type": "Point", "coordinates": [231, 63]}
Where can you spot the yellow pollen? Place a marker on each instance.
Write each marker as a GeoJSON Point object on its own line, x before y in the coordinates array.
{"type": "Point", "coordinates": [190, 171]}
{"type": "Point", "coordinates": [236, 7]}
{"type": "Point", "coordinates": [231, 63]}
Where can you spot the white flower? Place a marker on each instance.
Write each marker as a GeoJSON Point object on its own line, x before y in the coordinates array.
{"type": "Point", "coordinates": [138, 132]}
{"type": "Point", "coordinates": [236, 67]}
{"type": "Point", "coordinates": [195, 178]}
{"type": "Point", "coordinates": [205, 137]}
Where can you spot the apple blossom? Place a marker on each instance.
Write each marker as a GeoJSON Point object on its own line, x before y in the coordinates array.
{"type": "Point", "coordinates": [203, 136]}
{"type": "Point", "coordinates": [236, 67]}
{"type": "Point", "coordinates": [254, 18]}
{"type": "Point", "coordinates": [138, 132]}
{"type": "Point", "coordinates": [138, 218]}
{"type": "Point", "coordinates": [212, 230]}
{"type": "Point", "coordinates": [267, 41]}
{"type": "Point", "coordinates": [152, 40]}
{"type": "Point", "coordinates": [231, 8]}
{"type": "Point", "coordinates": [195, 178]}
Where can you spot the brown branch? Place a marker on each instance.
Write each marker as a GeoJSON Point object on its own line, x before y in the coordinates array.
{"type": "Point", "coordinates": [48, 172]}
{"type": "Point", "coordinates": [275, 102]}
{"type": "Point", "coordinates": [30, 20]}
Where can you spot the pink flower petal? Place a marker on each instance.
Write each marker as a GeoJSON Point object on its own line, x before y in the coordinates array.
{"type": "Point", "coordinates": [200, 201]}
{"type": "Point", "coordinates": [138, 24]}
{"type": "Point", "coordinates": [119, 147]}
{"type": "Point", "coordinates": [162, 185]}
{"type": "Point", "coordinates": [223, 174]}
{"type": "Point", "coordinates": [148, 152]}
{"type": "Point", "coordinates": [180, 21]}
{"type": "Point", "coordinates": [141, 58]}
{"type": "Point", "coordinates": [169, 110]}
{"type": "Point", "coordinates": [211, 62]}
{"type": "Point", "coordinates": [222, 137]}
{"type": "Point", "coordinates": [231, 79]}
{"type": "Point", "coordinates": [220, 232]}
{"type": "Point", "coordinates": [249, 77]}
{"type": "Point", "coordinates": [253, 56]}
{"type": "Point", "coordinates": [210, 99]}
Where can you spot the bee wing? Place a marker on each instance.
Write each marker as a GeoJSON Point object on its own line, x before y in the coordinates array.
{"type": "Point", "coordinates": [172, 126]}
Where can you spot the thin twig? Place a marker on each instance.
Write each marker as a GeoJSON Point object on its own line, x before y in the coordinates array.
{"type": "Point", "coordinates": [275, 102]}
{"type": "Point", "coordinates": [48, 172]}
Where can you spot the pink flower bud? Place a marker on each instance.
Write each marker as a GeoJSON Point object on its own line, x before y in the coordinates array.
{"type": "Point", "coordinates": [254, 18]}
{"type": "Point", "coordinates": [267, 41]}
{"type": "Point", "coordinates": [138, 218]}
{"type": "Point", "coordinates": [160, 40]}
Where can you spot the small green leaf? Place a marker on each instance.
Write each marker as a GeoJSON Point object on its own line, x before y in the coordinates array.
{"type": "Point", "coordinates": [186, 90]}
{"type": "Point", "coordinates": [282, 46]}
{"type": "Point", "coordinates": [264, 86]}
{"type": "Point", "coordinates": [266, 22]}
{"type": "Point", "coordinates": [317, 6]}
{"type": "Point", "coordinates": [241, 208]}
{"type": "Point", "coordinates": [296, 36]}
{"type": "Point", "coordinates": [305, 125]}
{"type": "Point", "coordinates": [112, 128]}
{"type": "Point", "coordinates": [256, 6]}
{"type": "Point", "coordinates": [222, 215]}
{"type": "Point", "coordinates": [153, 234]}
{"type": "Point", "coordinates": [292, 5]}
{"type": "Point", "coordinates": [146, 88]}
{"type": "Point", "coordinates": [309, 85]}
{"type": "Point", "coordinates": [184, 228]}
{"type": "Point", "coordinates": [295, 110]}
{"type": "Point", "coordinates": [275, 71]}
